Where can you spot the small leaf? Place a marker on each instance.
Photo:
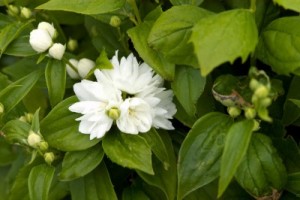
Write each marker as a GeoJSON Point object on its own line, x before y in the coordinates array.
{"type": "Point", "coordinates": [289, 4]}
{"type": "Point", "coordinates": [188, 86]}
{"type": "Point", "coordinates": [103, 62]}
{"type": "Point", "coordinates": [261, 173]}
{"type": "Point", "coordinates": [235, 148]}
{"type": "Point", "coordinates": [79, 163]}
{"type": "Point", "coordinates": [199, 155]}
{"type": "Point", "coordinates": [94, 186]}
{"type": "Point", "coordinates": [130, 151]}
{"type": "Point", "coordinates": [20, 47]}
{"type": "Point", "coordinates": [293, 183]}
{"type": "Point", "coordinates": [171, 32]}
{"type": "Point", "coordinates": [279, 45]}
{"type": "Point", "coordinates": [87, 7]}
{"type": "Point", "coordinates": [35, 125]}
{"type": "Point", "coordinates": [139, 35]}
{"type": "Point", "coordinates": [56, 80]}
{"type": "Point", "coordinates": [39, 181]}
{"type": "Point", "coordinates": [60, 129]}
{"type": "Point", "coordinates": [233, 30]}
{"type": "Point", "coordinates": [16, 91]}
{"type": "Point", "coordinates": [16, 131]}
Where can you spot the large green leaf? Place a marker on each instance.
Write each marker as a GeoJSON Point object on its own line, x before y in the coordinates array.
{"type": "Point", "coordinates": [7, 155]}
{"type": "Point", "coordinates": [56, 80]}
{"type": "Point", "coordinates": [16, 91]}
{"type": "Point", "coordinates": [191, 2]}
{"type": "Point", "coordinates": [293, 183]}
{"type": "Point", "coordinates": [134, 193]}
{"type": "Point", "coordinates": [235, 148]}
{"type": "Point", "coordinates": [156, 60]}
{"type": "Point", "coordinates": [16, 131]}
{"type": "Point", "coordinates": [279, 45]}
{"type": "Point", "coordinates": [171, 32]}
{"type": "Point", "coordinates": [20, 47]}
{"type": "Point", "coordinates": [224, 37]}
{"type": "Point", "coordinates": [188, 86]}
{"type": "Point", "coordinates": [39, 181]}
{"type": "Point", "coordinates": [130, 151]}
{"type": "Point", "coordinates": [164, 178]}
{"type": "Point", "coordinates": [79, 163]}
{"type": "Point", "coordinates": [261, 171]}
{"type": "Point", "coordinates": [94, 186]}
{"type": "Point", "coordinates": [289, 4]}
{"type": "Point", "coordinates": [87, 7]}
{"type": "Point", "coordinates": [60, 129]}
{"type": "Point", "coordinates": [200, 153]}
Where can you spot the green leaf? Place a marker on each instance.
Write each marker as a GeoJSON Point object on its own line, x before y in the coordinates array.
{"type": "Point", "coordinates": [293, 183]}
{"type": "Point", "coordinates": [94, 186]}
{"type": "Point", "coordinates": [199, 155]}
{"type": "Point", "coordinates": [15, 92]}
{"type": "Point", "coordinates": [191, 2]}
{"type": "Point", "coordinates": [16, 131]}
{"type": "Point", "coordinates": [56, 80]}
{"type": "Point", "coordinates": [279, 45]}
{"type": "Point", "coordinates": [171, 32]}
{"type": "Point", "coordinates": [134, 194]}
{"type": "Point", "coordinates": [261, 171]}
{"type": "Point", "coordinates": [7, 155]}
{"type": "Point", "coordinates": [188, 86]}
{"type": "Point", "coordinates": [20, 47]}
{"type": "Point", "coordinates": [39, 181]}
{"type": "Point", "coordinates": [9, 33]}
{"type": "Point", "coordinates": [103, 62]}
{"type": "Point", "coordinates": [164, 178]}
{"type": "Point", "coordinates": [60, 129]}
{"type": "Point", "coordinates": [79, 163]}
{"type": "Point", "coordinates": [130, 151]}
{"type": "Point", "coordinates": [154, 139]}
{"type": "Point", "coordinates": [35, 125]}
{"type": "Point", "coordinates": [156, 60]}
{"type": "Point", "coordinates": [233, 30]}
{"type": "Point", "coordinates": [235, 148]}
{"type": "Point", "coordinates": [87, 7]}
{"type": "Point", "coordinates": [289, 4]}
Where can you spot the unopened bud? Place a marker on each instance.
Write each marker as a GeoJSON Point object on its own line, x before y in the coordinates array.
{"type": "Point", "coordinates": [256, 126]}
{"type": "Point", "coordinates": [1, 108]}
{"type": "Point", "coordinates": [33, 139]}
{"type": "Point", "coordinates": [115, 21]}
{"type": "Point", "coordinates": [29, 117]}
{"type": "Point", "coordinates": [73, 71]}
{"type": "Point", "coordinates": [233, 111]}
{"type": "Point", "coordinates": [84, 67]}
{"type": "Point", "coordinates": [57, 51]}
{"type": "Point", "coordinates": [13, 10]}
{"type": "Point", "coordinates": [250, 113]}
{"type": "Point", "coordinates": [254, 84]}
{"type": "Point", "coordinates": [266, 102]}
{"type": "Point", "coordinates": [261, 92]}
{"type": "Point", "coordinates": [26, 13]}
{"type": "Point", "coordinates": [114, 113]}
{"type": "Point", "coordinates": [49, 28]}
{"type": "Point", "coordinates": [40, 40]}
{"type": "Point", "coordinates": [43, 146]}
{"type": "Point", "coordinates": [72, 44]}
{"type": "Point", "coordinates": [49, 157]}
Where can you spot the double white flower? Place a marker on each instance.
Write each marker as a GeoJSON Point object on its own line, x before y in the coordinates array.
{"type": "Point", "coordinates": [41, 39]}
{"type": "Point", "coordinates": [129, 94]}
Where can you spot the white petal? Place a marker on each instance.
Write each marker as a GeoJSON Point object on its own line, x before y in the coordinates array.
{"type": "Point", "coordinates": [101, 128]}
{"type": "Point", "coordinates": [47, 27]}
{"type": "Point", "coordinates": [85, 107]}
{"type": "Point", "coordinates": [57, 51]}
{"type": "Point", "coordinates": [71, 72]}
{"type": "Point", "coordinates": [40, 40]}
{"type": "Point", "coordinates": [84, 66]}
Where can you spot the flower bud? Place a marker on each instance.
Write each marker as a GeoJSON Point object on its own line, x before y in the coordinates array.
{"type": "Point", "coordinates": [72, 44]}
{"type": "Point", "coordinates": [256, 125]}
{"type": "Point", "coordinates": [57, 51]}
{"type": "Point", "coordinates": [72, 73]}
{"type": "Point", "coordinates": [29, 117]}
{"type": "Point", "coordinates": [250, 113]}
{"type": "Point", "coordinates": [114, 113]}
{"type": "Point", "coordinates": [1, 108]}
{"type": "Point", "coordinates": [13, 10]}
{"type": "Point", "coordinates": [33, 139]}
{"type": "Point", "coordinates": [254, 84]}
{"type": "Point", "coordinates": [40, 40]}
{"type": "Point", "coordinates": [43, 146]}
{"type": "Point", "coordinates": [49, 157]}
{"type": "Point", "coordinates": [84, 67]}
{"type": "Point", "coordinates": [26, 13]}
{"type": "Point", "coordinates": [266, 102]}
{"type": "Point", "coordinates": [261, 92]}
{"type": "Point", "coordinates": [49, 28]}
{"type": "Point", "coordinates": [233, 111]}
{"type": "Point", "coordinates": [115, 21]}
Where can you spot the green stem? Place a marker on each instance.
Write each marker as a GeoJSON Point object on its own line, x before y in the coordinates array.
{"type": "Point", "coordinates": [253, 5]}
{"type": "Point", "coordinates": [123, 42]}
{"type": "Point", "coordinates": [135, 10]}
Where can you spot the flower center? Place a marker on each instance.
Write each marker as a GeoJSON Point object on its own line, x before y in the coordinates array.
{"type": "Point", "coordinates": [114, 113]}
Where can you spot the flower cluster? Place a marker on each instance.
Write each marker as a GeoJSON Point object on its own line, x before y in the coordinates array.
{"type": "Point", "coordinates": [130, 95]}
{"type": "Point", "coordinates": [79, 69]}
{"type": "Point", "coordinates": [41, 39]}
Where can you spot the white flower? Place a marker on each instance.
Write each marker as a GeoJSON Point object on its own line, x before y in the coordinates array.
{"type": "Point", "coordinates": [48, 27]}
{"type": "Point", "coordinates": [40, 40]}
{"type": "Point", "coordinates": [72, 73]}
{"type": "Point", "coordinates": [57, 51]}
{"type": "Point", "coordinates": [84, 67]}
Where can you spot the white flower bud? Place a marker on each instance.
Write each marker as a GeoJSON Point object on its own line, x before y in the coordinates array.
{"type": "Point", "coordinates": [49, 157]}
{"type": "Point", "coordinates": [33, 139]}
{"type": "Point", "coordinates": [72, 73]}
{"type": "Point", "coordinates": [72, 44]}
{"type": "Point", "coordinates": [26, 13]}
{"type": "Point", "coordinates": [84, 67]}
{"type": "Point", "coordinates": [115, 21]}
{"type": "Point", "coordinates": [40, 40]}
{"type": "Point", "coordinates": [57, 51]}
{"type": "Point", "coordinates": [49, 28]}
{"type": "Point", "coordinates": [13, 10]}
